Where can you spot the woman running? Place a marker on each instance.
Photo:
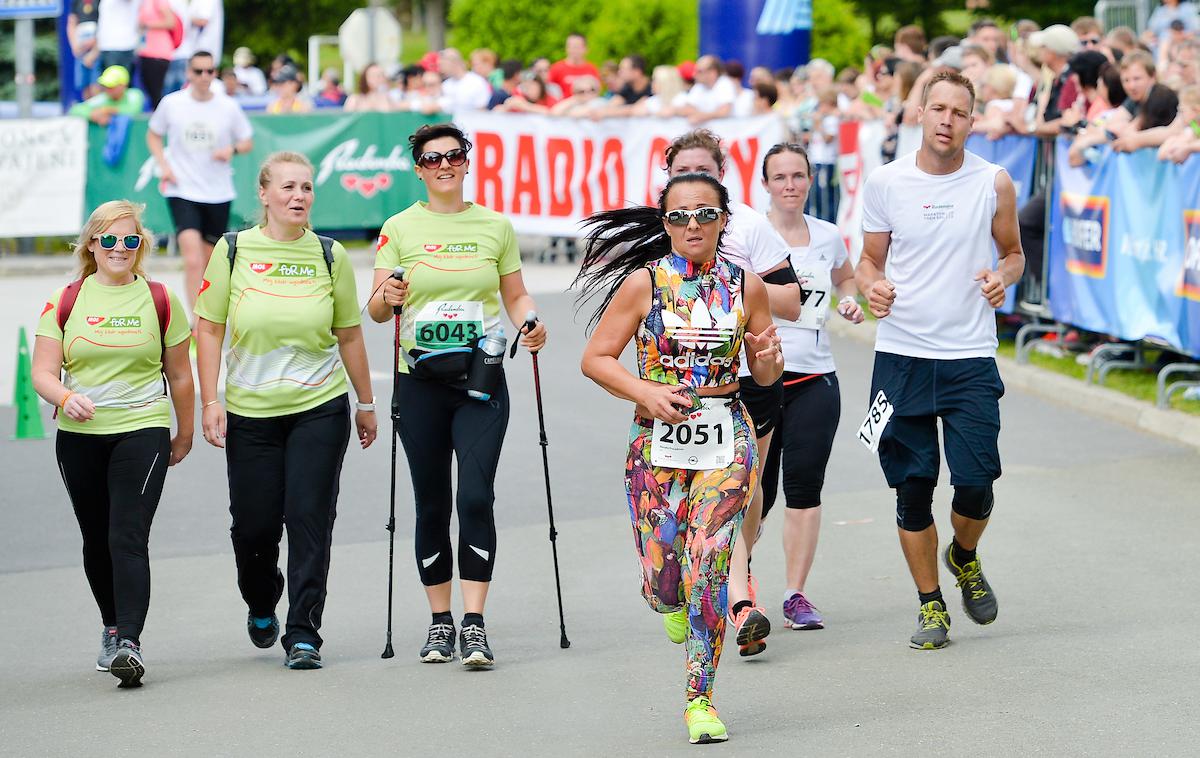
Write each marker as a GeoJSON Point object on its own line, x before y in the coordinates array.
{"type": "Point", "coordinates": [113, 335]}
{"type": "Point", "coordinates": [289, 298]}
{"type": "Point", "coordinates": [692, 462]}
{"type": "Point", "coordinates": [462, 263]}
{"type": "Point", "coordinates": [811, 398]}
{"type": "Point", "coordinates": [752, 244]}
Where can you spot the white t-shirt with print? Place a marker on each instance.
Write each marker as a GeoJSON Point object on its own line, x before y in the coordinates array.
{"type": "Point", "coordinates": [193, 130]}
{"type": "Point", "coordinates": [807, 351]}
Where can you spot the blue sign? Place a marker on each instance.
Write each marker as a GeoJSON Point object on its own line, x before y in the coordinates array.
{"type": "Point", "coordinates": [1018, 155]}
{"type": "Point", "coordinates": [772, 33]}
{"type": "Point", "coordinates": [14, 9]}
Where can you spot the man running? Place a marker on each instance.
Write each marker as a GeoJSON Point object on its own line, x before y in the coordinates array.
{"type": "Point", "coordinates": [929, 223]}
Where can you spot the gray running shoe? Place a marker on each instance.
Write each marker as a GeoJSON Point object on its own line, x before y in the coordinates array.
{"type": "Point", "coordinates": [979, 601]}
{"type": "Point", "coordinates": [108, 648]}
{"type": "Point", "coordinates": [127, 664]}
{"type": "Point", "coordinates": [439, 644]}
{"type": "Point", "coordinates": [933, 627]}
{"type": "Point", "coordinates": [473, 647]}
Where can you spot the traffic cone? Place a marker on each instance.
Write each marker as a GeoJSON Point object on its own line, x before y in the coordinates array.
{"type": "Point", "coordinates": [25, 400]}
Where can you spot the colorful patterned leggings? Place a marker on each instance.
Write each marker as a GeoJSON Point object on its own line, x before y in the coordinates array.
{"type": "Point", "coordinates": [684, 526]}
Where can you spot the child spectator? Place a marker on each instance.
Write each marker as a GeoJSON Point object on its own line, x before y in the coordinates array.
{"type": "Point", "coordinates": [668, 90]}
{"type": "Point", "coordinates": [1000, 117]}
{"type": "Point", "coordinates": [1178, 147]}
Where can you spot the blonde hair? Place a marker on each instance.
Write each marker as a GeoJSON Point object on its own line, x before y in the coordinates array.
{"type": "Point", "coordinates": [670, 83]}
{"type": "Point", "coordinates": [1002, 79]}
{"type": "Point", "coordinates": [105, 215]}
{"type": "Point", "coordinates": [264, 174]}
{"type": "Point", "coordinates": [1190, 97]}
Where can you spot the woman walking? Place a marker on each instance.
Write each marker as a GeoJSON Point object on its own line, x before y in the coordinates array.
{"type": "Point", "coordinates": [692, 463]}
{"type": "Point", "coordinates": [113, 335]}
{"type": "Point", "coordinates": [289, 299]}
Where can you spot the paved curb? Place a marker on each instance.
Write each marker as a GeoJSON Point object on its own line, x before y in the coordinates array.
{"type": "Point", "coordinates": [1072, 393]}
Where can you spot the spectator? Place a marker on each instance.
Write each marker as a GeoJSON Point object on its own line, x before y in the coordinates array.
{"type": "Point", "coordinates": [909, 43]}
{"type": "Point", "coordinates": [585, 97]}
{"type": "Point", "coordinates": [81, 34]}
{"type": "Point", "coordinates": [667, 94]}
{"type": "Point", "coordinates": [207, 19]}
{"type": "Point", "coordinates": [939, 45]}
{"type": "Point", "coordinates": [157, 21]}
{"type": "Point", "coordinates": [541, 69]}
{"type": "Point", "coordinates": [610, 77]}
{"type": "Point", "coordinates": [117, 33]}
{"type": "Point", "coordinates": [846, 84]}
{"type": "Point", "coordinates": [635, 84]}
{"type": "Point", "coordinates": [1180, 146]}
{"type": "Point", "coordinates": [484, 62]}
{"type": "Point", "coordinates": [712, 95]}
{"type": "Point", "coordinates": [563, 72]}
{"type": "Point", "coordinates": [1090, 33]}
{"type": "Point", "coordinates": [1138, 75]}
{"type": "Point", "coordinates": [510, 70]}
{"type": "Point", "coordinates": [248, 75]}
{"type": "Point", "coordinates": [1183, 65]}
{"type": "Point", "coordinates": [766, 94]}
{"type": "Point", "coordinates": [743, 100]}
{"type": "Point", "coordinates": [1158, 26]}
{"type": "Point", "coordinates": [1157, 121]}
{"type": "Point", "coordinates": [794, 97]}
{"type": "Point", "coordinates": [1168, 48]}
{"type": "Point", "coordinates": [427, 97]}
{"type": "Point", "coordinates": [373, 92]}
{"type": "Point", "coordinates": [1120, 40]}
{"type": "Point", "coordinates": [462, 89]}
{"type": "Point", "coordinates": [987, 34]}
{"type": "Point", "coordinates": [331, 93]}
{"type": "Point", "coordinates": [116, 97]}
{"type": "Point", "coordinates": [532, 96]}
{"type": "Point", "coordinates": [230, 82]}
{"type": "Point", "coordinates": [976, 60]}
{"type": "Point", "coordinates": [287, 93]}
{"type": "Point", "coordinates": [1085, 67]}
{"type": "Point", "coordinates": [996, 96]}
{"type": "Point", "coordinates": [1057, 43]}
{"type": "Point", "coordinates": [823, 153]}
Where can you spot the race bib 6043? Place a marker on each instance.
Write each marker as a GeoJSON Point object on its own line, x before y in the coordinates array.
{"type": "Point", "coordinates": [444, 324]}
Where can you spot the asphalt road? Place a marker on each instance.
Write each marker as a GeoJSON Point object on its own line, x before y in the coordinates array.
{"type": "Point", "coordinates": [1089, 552]}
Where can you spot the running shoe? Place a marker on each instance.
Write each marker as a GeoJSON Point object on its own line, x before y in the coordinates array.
{"type": "Point", "coordinates": [263, 632]}
{"type": "Point", "coordinates": [108, 648]}
{"type": "Point", "coordinates": [439, 644]}
{"type": "Point", "coordinates": [702, 722]}
{"type": "Point", "coordinates": [801, 614]}
{"type": "Point", "coordinates": [752, 628]}
{"type": "Point", "coordinates": [127, 664]}
{"type": "Point", "coordinates": [473, 647]}
{"type": "Point", "coordinates": [979, 601]}
{"type": "Point", "coordinates": [302, 657]}
{"type": "Point", "coordinates": [676, 625]}
{"type": "Point", "coordinates": [933, 627]}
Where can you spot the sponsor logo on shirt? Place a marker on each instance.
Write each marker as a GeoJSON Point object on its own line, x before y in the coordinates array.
{"type": "Point", "coordinates": [379, 243]}
{"type": "Point", "coordinates": [203, 286]}
{"type": "Point", "coordinates": [294, 271]}
{"type": "Point", "coordinates": [937, 211]}
{"type": "Point", "coordinates": [49, 307]}
{"type": "Point", "coordinates": [115, 322]}
{"type": "Point", "coordinates": [261, 268]}
{"type": "Point", "coordinates": [694, 359]}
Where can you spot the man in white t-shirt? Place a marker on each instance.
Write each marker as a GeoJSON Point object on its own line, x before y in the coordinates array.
{"type": "Point", "coordinates": [117, 33]}
{"type": "Point", "coordinates": [204, 130]}
{"type": "Point", "coordinates": [934, 222]}
{"type": "Point", "coordinates": [463, 89]}
{"type": "Point", "coordinates": [712, 95]}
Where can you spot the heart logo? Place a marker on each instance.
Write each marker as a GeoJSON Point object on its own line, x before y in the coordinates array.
{"type": "Point", "coordinates": [367, 186]}
{"type": "Point", "coordinates": [694, 416]}
{"type": "Point", "coordinates": [350, 181]}
{"type": "Point", "coordinates": [49, 307]}
{"type": "Point", "coordinates": [383, 181]}
{"type": "Point", "coordinates": [432, 248]}
{"type": "Point", "coordinates": [203, 286]}
{"type": "Point", "coordinates": [383, 240]}
{"type": "Point", "coordinates": [93, 320]}
{"type": "Point", "coordinates": [449, 316]}
{"type": "Point", "coordinates": [259, 268]}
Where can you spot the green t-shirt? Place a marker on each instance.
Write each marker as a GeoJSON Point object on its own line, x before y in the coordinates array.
{"type": "Point", "coordinates": [281, 308]}
{"type": "Point", "coordinates": [453, 263]}
{"type": "Point", "coordinates": [112, 354]}
{"type": "Point", "coordinates": [131, 103]}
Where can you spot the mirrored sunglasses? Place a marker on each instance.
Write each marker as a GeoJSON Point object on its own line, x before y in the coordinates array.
{"type": "Point", "coordinates": [702, 216]}
{"type": "Point", "coordinates": [109, 241]}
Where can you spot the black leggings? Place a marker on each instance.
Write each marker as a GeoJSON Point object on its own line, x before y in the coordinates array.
{"type": "Point", "coordinates": [285, 471]}
{"type": "Point", "coordinates": [803, 440]}
{"type": "Point", "coordinates": [114, 482]}
{"type": "Point", "coordinates": [154, 73]}
{"type": "Point", "coordinates": [435, 421]}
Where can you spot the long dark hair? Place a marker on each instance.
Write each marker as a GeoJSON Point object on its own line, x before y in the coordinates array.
{"type": "Point", "coordinates": [621, 241]}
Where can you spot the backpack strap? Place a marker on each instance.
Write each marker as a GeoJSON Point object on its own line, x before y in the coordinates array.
{"type": "Point", "coordinates": [162, 308]}
{"type": "Point", "coordinates": [66, 302]}
{"type": "Point", "coordinates": [327, 251]}
{"type": "Point", "coordinates": [231, 241]}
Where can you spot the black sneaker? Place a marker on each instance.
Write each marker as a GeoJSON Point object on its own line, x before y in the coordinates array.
{"type": "Point", "coordinates": [439, 644]}
{"type": "Point", "coordinates": [127, 664]}
{"type": "Point", "coordinates": [979, 601]}
{"type": "Point", "coordinates": [473, 647]}
{"type": "Point", "coordinates": [264, 636]}
{"type": "Point", "coordinates": [303, 656]}
{"type": "Point", "coordinates": [933, 627]}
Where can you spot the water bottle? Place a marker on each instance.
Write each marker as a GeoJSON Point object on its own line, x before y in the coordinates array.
{"type": "Point", "coordinates": [487, 363]}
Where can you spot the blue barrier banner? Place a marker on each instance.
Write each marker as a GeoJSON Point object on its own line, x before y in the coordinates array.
{"type": "Point", "coordinates": [1119, 238]}
{"type": "Point", "coordinates": [1017, 153]}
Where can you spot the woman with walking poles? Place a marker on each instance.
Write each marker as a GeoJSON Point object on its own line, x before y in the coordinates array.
{"type": "Point", "coordinates": [443, 270]}
{"type": "Point", "coordinates": [693, 463]}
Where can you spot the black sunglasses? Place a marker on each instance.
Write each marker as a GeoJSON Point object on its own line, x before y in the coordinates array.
{"type": "Point", "coordinates": [455, 157]}
{"type": "Point", "coordinates": [109, 241]}
{"type": "Point", "coordinates": [702, 216]}
{"type": "Point", "coordinates": [202, 71]}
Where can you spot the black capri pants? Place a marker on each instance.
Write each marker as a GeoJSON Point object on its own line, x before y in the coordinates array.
{"type": "Point", "coordinates": [812, 407]}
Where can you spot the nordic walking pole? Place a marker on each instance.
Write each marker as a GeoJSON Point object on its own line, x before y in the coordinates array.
{"type": "Point", "coordinates": [398, 274]}
{"type": "Point", "coordinates": [530, 323]}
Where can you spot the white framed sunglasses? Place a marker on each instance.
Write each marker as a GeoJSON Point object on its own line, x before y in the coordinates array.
{"type": "Point", "coordinates": [702, 216]}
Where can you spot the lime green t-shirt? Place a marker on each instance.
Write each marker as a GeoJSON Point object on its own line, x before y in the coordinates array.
{"type": "Point", "coordinates": [112, 354]}
{"type": "Point", "coordinates": [453, 263]}
{"type": "Point", "coordinates": [281, 308]}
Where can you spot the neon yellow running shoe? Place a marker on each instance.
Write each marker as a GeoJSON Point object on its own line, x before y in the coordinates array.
{"type": "Point", "coordinates": [702, 722]}
{"type": "Point", "coordinates": [676, 625]}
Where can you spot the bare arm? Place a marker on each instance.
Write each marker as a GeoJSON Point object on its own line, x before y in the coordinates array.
{"type": "Point", "coordinates": [1006, 231]}
{"type": "Point", "coordinates": [209, 337]}
{"type": "Point", "coordinates": [47, 367]}
{"type": "Point", "coordinates": [843, 282]}
{"type": "Point", "coordinates": [869, 275]}
{"type": "Point", "coordinates": [518, 303]}
{"type": "Point", "coordinates": [392, 293]}
{"type": "Point", "coordinates": [354, 357]}
{"type": "Point", "coordinates": [762, 344]}
{"type": "Point", "coordinates": [177, 366]}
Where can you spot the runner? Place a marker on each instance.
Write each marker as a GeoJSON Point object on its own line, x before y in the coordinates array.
{"type": "Point", "coordinates": [288, 296]}
{"type": "Point", "coordinates": [114, 335]}
{"type": "Point", "coordinates": [755, 246]}
{"type": "Point", "coordinates": [812, 400]}
{"type": "Point", "coordinates": [689, 477]}
{"type": "Point", "coordinates": [462, 262]}
{"type": "Point", "coordinates": [930, 220]}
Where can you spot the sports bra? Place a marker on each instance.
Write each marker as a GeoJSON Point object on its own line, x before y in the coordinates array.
{"type": "Point", "coordinates": [693, 333]}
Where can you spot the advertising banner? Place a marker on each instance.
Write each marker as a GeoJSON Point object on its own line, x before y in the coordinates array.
{"type": "Point", "coordinates": [859, 153]}
{"type": "Point", "coordinates": [1017, 153]}
{"type": "Point", "coordinates": [43, 168]}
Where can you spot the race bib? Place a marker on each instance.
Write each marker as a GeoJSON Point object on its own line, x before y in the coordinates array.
{"type": "Point", "coordinates": [877, 420]}
{"type": "Point", "coordinates": [704, 441]}
{"type": "Point", "coordinates": [815, 289]}
{"type": "Point", "coordinates": [444, 324]}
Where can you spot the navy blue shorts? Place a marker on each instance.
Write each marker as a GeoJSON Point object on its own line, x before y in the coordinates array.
{"type": "Point", "coordinates": [964, 393]}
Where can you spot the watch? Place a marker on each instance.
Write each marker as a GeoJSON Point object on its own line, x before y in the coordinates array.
{"type": "Point", "coordinates": [369, 407]}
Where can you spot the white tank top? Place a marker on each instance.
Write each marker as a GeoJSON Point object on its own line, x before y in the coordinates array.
{"type": "Point", "coordinates": [806, 350]}
{"type": "Point", "coordinates": [941, 227]}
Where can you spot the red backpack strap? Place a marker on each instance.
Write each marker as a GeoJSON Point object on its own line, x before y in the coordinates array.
{"type": "Point", "coordinates": [162, 307]}
{"type": "Point", "coordinates": [66, 301]}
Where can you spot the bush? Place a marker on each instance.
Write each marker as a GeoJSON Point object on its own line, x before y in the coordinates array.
{"type": "Point", "coordinates": [661, 31]}
{"type": "Point", "coordinates": [839, 35]}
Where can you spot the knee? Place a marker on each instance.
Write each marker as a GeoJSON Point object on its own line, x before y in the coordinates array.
{"type": "Point", "coordinates": [914, 504]}
{"type": "Point", "coordinates": [973, 502]}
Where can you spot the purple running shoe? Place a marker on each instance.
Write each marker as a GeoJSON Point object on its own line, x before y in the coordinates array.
{"type": "Point", "coordinates": [801, 614]}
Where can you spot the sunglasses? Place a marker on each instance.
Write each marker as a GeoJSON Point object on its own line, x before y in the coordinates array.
{"type": "Point", "coordinates": [109, 241]}
{"type": "Point", "coordinates": [702, 216]}
{"type": "Point", "coordinates": [203, 71]}
{"type": "Point", "coordinates": [1090, 41]}
{"type": "Point", "coordinates": [455, 157]}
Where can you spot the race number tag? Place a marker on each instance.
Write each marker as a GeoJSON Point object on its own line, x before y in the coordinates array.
{"type": "Point", "coordinates": [444, 324]}
{"type": "Point", "coordinates": [815, 287]}
{"type": "Point", "coordinates": [877, 419]}
{"type": "Point", "coordinates": [704, 441]}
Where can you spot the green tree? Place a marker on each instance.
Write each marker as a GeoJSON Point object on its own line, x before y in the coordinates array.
{"type": "Point", "coordinates": [1062, 12]}
{"type": "Point", "coordinates": [273, 28]}
{"type": "Point", "coordinates": [45, 61]}
{"type": "Point", "coordinates": [839, 34]}
{"type": "Point", "coordinates": [661, 31]}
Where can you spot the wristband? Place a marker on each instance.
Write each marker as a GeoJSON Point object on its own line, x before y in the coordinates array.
{"type": "Point", "coordinates": [365, 407]}
{"type": "Point", "coordinates": [66, 397]}
{"type": "Point", "coordinates": [853, 300]}
{"type": "Point", "coordinates": [210, 402]}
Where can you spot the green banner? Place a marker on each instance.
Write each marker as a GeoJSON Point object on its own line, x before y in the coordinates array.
{"type": "Point", "coordinates": [363, 169]}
